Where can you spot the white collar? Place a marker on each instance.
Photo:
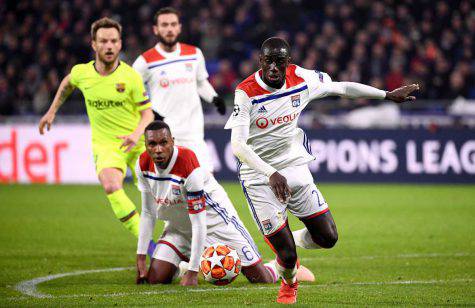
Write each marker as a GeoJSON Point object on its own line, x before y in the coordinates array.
{"type": "Point", "coordinates": [170, 165]}
{"type": "Point", "coordinates": [265, 86]}
{"type": "Point", "coordinates": [169, 54]}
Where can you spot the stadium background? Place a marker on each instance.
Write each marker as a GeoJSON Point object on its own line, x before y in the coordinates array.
{"type": "Point", "coordinates": [382, 43]}
{"type": "Point", "coordinates": [400, 232]}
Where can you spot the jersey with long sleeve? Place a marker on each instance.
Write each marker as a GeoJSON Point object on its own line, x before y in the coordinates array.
{"type": "Point", "coordinates": [178, 192]}
{"type": "Point", "coordinates": [178, 197]}
{"type": "Point", "coordinates": [272, 115]}
{"type": "Point", "coordinates": [172, 80]}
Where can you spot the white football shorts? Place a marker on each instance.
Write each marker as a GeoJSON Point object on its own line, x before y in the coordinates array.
{"type": "Point", "coordinates": [270, 214]}
{"type": "Point", "coordinates": [224, 226]}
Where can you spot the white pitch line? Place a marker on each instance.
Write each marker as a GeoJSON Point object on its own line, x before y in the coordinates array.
{"type": "Point", "coordinates": [399, 256]}
{"type": "Point", "coordinates": [29, 287]}
{"type": "Point", "coordinates": [270, 287]}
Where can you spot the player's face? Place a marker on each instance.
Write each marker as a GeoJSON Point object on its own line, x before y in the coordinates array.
{"type": "Point", "coordinates": [167, 29]}
{"type": "Point", "coordinates": [274, 62]}
{"type": "Point", "coordinates": [107, 45]}
{"type": "Point", "coordinates": [159, 144]}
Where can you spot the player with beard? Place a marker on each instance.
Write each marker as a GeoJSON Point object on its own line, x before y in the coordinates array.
{"type": "Point", "coordinates": [274, 153]}
{"type": "Point", "coordinates": [118, 110]}
{"type": "Point", "coordinates": [176, 77]}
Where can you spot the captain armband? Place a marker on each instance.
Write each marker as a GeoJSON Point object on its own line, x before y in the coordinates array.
{"type": "Point", "coordinates": [196, 202]}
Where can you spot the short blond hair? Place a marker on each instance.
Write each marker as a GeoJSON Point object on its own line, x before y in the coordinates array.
{"type": "Point", "coordinates": [104, 22]}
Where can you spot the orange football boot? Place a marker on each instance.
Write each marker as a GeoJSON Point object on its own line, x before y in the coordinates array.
{"type": "Point", "coordinates": [287, 293]}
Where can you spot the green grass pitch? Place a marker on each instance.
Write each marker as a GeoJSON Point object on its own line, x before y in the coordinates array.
{"type": "Point", "coordinates": [410, 245]}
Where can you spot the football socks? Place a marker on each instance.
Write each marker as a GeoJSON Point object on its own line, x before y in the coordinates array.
{"type": "Point", "coordinates": [123, 207]}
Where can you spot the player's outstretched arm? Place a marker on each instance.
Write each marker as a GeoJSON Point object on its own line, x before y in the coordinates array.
{"type": "Point", "coordinates": [358, 90]}
{"type": "Point", "coordinates": [146, 117]}
{"type": "Point", "coordinates": [65, 89]}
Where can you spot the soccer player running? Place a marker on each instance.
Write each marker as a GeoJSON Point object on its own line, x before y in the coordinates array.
{"type": "Point", "coordinates": [197, 212]}
{"type": "Point", "coordinates": [274, 153]}
{"type": "Point", "coordinates": [118, 110]}
{"type": "Point", "coordinates": [176, 77]}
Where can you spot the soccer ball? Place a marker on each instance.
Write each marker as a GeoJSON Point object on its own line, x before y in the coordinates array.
{"type": "Point", "coordinates": [220, 264]}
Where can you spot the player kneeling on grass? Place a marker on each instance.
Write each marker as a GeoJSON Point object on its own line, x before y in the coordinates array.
{"type": "Point", "coordinates": [197, 213]}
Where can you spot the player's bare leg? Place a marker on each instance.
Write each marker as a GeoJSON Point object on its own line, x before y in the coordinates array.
{"type": "Point", "coordinates": [320, 232]}
{"type": "Point", "coordinates": [161, 272]}
{"type": "Point", "coordinates": [283, 243]}
{"type": "Point", "coordinates": [124, 209]}
{"type": "Point", "coordinates": [260, 273]}
{"type": "Point", "coordinates": [267, 273]}
{"type": "Point", "coordinates": [303, 273]}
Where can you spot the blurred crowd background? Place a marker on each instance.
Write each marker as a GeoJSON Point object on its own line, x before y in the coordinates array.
{"type": "Point", "coordinates": [383, 43]}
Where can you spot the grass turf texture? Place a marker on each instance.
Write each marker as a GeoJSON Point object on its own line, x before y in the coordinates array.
{"type": "Point", "coordinates": [399, 245]}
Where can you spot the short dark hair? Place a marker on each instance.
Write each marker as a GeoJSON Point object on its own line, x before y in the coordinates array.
{"type": "Point", "coordinates": [156, 125]}
{"type": "Point", "coordinates": [275, 43]}
{"type": "Point", "coordinates": [165, 10]}
{"type": "Point", "coordinates": [104, 22]}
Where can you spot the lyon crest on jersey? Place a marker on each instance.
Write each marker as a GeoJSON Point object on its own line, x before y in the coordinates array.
{"type": "Point", "coordinates": [295, 100]}
{"type": "Point", "coordinates": [176, 190]}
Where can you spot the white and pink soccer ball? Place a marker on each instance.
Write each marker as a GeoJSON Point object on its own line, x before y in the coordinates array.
{"type": "Point", "coordinates": [220, 264]}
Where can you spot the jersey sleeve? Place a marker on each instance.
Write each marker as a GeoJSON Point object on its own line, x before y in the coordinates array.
{"type": "Point", "coordinates": [194, 186]}
{"type": "Point", "coordinates": [241, 111]}
{"type": "Point", "coordinates": [74, 75]}
{"type": "Point", "coordinates": [316, 81]}
{"type": "Point", "coordinates": [142, 184]}
{"type": "Point", "coordinates": [201, 72]}
{"type": "Point", "coordinates": [140, 65]}
{"type": "Point", "coordinates": [139, 95]}
{"type": "Point", "coordinates": [147, 223]}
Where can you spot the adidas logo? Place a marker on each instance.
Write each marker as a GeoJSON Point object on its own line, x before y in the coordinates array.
{"type": "Point", "coordinates": [262, 109]}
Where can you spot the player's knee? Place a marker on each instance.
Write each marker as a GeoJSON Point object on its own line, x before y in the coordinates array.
{"type": "Point", "coordinates": [257, 274]}
{"type": "Point", "coordinates": [159, 280]}
{"type": "Point", "coordinates": [330, 239]}
{"type": "Point", "coordinates": [110, 187]}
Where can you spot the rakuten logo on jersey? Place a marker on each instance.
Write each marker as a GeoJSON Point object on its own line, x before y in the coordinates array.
{"type": "Point", "coordinates": [102, 104]}
{"type": "Point", "coordinates": [263, 122]}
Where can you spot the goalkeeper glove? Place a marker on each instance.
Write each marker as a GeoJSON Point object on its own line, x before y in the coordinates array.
{"type": "Point", "coordinates": [220, 105]}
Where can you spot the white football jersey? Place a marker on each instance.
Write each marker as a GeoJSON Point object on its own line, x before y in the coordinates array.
{"type": "Point", "coordinates": [272, 116]}
{"type": "Point", "coordinates": [182, 188]}
{"type": "Point", "coordinates": [171, 80]}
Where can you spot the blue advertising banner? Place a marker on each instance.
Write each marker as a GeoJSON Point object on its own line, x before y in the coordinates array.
{"type": "Point", "coordinates": [343, 155]}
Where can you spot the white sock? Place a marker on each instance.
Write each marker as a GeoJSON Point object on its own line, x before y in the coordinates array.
{"type": "Point", "coordinates": [270, 266]}
{"type": "Point", "coordinates": [303, 239]}
{"type": "Point", "coordinates": [182, 268]}
{"type": "Point", "coordinates": [289, 275]}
